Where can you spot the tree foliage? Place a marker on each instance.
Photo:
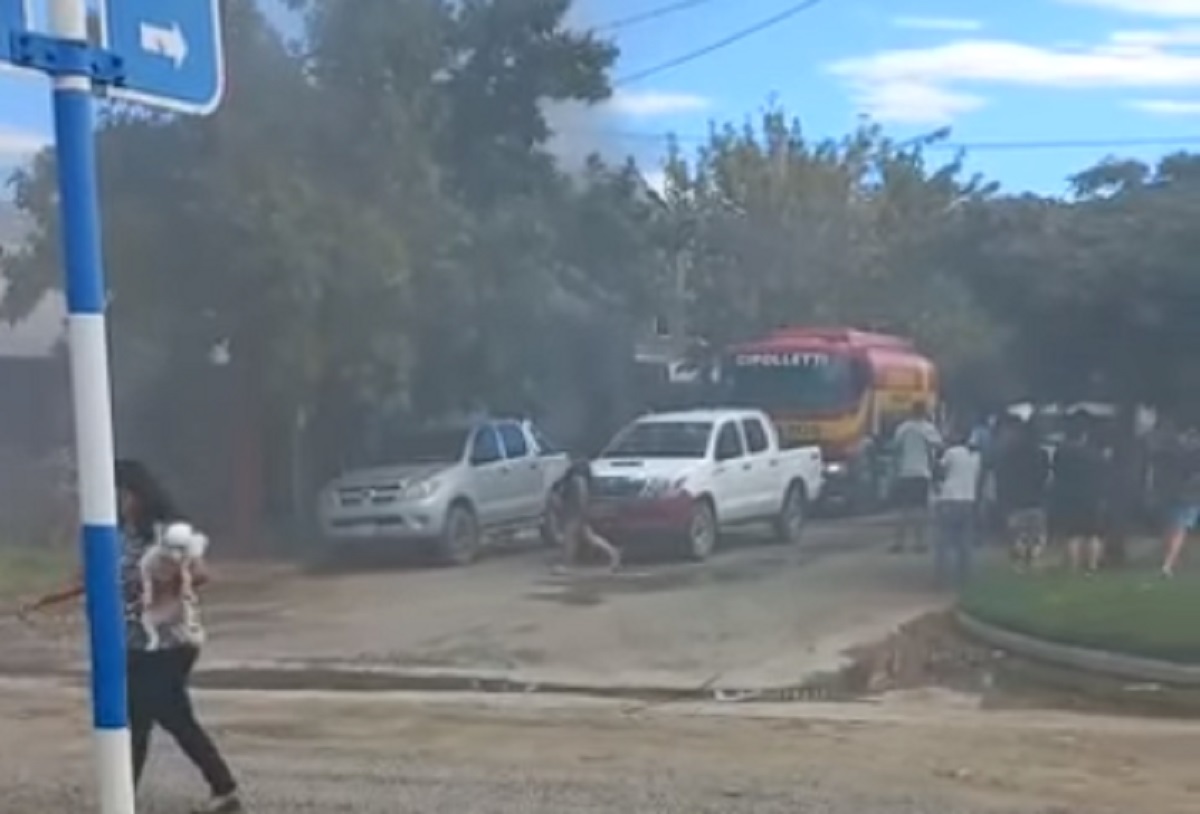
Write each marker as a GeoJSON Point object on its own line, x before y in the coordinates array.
{"type": "Point", "coordinates": [1098, 289]}
{"type": "Point", "coordinates": [781, 230]}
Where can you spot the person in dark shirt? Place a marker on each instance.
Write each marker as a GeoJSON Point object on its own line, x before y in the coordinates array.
{"type": "Point", "coordinates": [572, 493]}
{"type": "Point", "coordinates": [1077, 497]}
{"type": "Point", "coordinates": [1022, 472]}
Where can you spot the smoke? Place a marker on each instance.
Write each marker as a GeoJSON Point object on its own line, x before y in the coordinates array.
{"type": "Point", "coordinates": [581, 131]}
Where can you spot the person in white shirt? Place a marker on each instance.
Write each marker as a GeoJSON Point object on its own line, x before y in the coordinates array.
{"type": "Point", "coordinates": [957, 493]}
{"type": "Point", "coordinates": [916, 443]}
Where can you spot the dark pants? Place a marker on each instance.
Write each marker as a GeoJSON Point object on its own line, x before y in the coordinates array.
{"type": "Point", "coordinates": [912, 499]}
{"type": "Point", "coordinates": [955, 541]}
{"type": "Point", "coordinates": [158, 694]}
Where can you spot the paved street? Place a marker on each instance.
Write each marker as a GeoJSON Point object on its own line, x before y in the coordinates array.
{"type": "Point", "coordinates": [754, 616]}
{"type": "Point", "coordinates": [394, 754]}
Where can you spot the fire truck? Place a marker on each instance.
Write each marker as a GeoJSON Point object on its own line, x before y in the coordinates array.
{"type": "Point", "coordinates": [842, 389]}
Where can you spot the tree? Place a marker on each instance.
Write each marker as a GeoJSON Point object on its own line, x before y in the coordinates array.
{"type": "Point", "coordinates": [372, 222]}
{"type": "Point", "coordinates": [224, 228]}
{"type": "Point", "coordinates": [508, 60]}
{"type": "Point", "coordinates": [1097, 290]}
{"type": "Point", "coordinates": [778, 230]}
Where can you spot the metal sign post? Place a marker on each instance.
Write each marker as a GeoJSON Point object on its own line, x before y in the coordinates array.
{"type": "Point", "coordinates": [87, 338]}
{"type": "Point", "coordinates": [165, 53]}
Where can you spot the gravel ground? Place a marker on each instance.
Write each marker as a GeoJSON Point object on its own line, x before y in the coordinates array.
{"type": "Point", "coordinates": [339, 752]}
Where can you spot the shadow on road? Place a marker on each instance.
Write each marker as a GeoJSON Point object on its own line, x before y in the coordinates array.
{"type": "Point", "coordinates": [745, 556]}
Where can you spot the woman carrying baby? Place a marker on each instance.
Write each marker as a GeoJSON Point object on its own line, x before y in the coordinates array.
{"type": "Point", "coordinates": [163, 642]}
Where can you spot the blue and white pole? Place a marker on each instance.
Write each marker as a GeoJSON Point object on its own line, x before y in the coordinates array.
{"type": "Point", "coordinates": [88, 342]}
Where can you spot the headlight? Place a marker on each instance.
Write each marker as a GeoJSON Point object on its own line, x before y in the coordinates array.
{"type": "Point", "coordinates": [835, 468]}
{"type": "Point", "coordinates": [421, 489]}
{"type": "Point", "coordinates": [663, 487]}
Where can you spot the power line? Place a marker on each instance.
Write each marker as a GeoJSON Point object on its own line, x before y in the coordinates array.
{"type": "Point", "coordinates": [1014, 145]}
{"type": "Point", "coordinates": [648, 15]}
{"type": "Point", "coordinates": [721, 44]}
{"type": "Point", "coordinates": [1068, 144]}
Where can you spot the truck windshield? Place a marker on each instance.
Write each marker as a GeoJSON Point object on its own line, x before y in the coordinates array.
{"type": "Point", "coordinates": [785, 381]}
{"type": "Point", "coordinates": [661, 439]}
{"type": "Point", "coordinates": [430, 446]}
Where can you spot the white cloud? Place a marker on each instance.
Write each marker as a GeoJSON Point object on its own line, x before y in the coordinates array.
{"type": "Point", "coordinates": [948, 72]}
{"type": "Point", "coordinates": [916, 103]}
{"type": "Point", "coordinates": [1146, 8]}
{"type": "Point", "coordinates": [1167, 107]}
{"type": "Point", "coordinates": [17, 145]}
{"type": "Point", "coordinates": [938, 23]}
{"type": "Point", "coordinates": [1181, 36]}
{"type": "Point", "coordinates": [643, 104]}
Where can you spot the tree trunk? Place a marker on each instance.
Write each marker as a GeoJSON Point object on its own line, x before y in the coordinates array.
{"type": "Point", "coordinates": [300, 474]}
{"type": "Point", "coordinates": [248, 461]}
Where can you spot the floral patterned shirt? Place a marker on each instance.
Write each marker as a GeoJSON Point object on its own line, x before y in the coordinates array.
{"type": "Point", "coordinates": [180, 629]}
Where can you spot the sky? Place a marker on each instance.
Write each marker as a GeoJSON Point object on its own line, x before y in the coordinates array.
{"type": "Point", "coordinates": [997, 71]}
{"type": "Point", "coordinates": [1122, 72]}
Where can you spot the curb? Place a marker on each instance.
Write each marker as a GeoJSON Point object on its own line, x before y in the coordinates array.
{"type": "Point", "coordinates": [275, 676]}
{"type": "Point", "coordinates": [269, 676]}
{"type": "Point", "coordinates": [307, 675]}
{"type": "Point", "coordinates": [1116, 665]}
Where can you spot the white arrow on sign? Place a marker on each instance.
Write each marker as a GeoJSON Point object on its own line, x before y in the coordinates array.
{"type": "Point", "coordinates": [167, 42]}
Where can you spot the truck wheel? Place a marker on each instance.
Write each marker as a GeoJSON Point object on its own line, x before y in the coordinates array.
{"type": "Point", "coordinates": [459, 543]}
{"type": "Point", "coordinates": [703, 532]}
{"type": "Point", "coordinates": [789, 526]}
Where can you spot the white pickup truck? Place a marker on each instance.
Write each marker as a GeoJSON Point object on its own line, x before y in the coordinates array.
{"type": "Point", "coordinates": [688, 475]}
{"type": "Point", "coordinates": [454, 487]}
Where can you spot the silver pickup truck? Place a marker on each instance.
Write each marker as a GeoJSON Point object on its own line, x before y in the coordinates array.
{"type": "Point", "coordinates": [454, 488]}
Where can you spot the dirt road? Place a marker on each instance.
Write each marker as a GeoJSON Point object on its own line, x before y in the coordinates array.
{"type": "Point", "coordinates": [395, 754]}
{"type": "Point", "coordinates": [754, 616]}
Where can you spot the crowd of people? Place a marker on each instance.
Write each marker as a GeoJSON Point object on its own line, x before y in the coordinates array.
{"type": "Point", "coordinates": [999, 481]}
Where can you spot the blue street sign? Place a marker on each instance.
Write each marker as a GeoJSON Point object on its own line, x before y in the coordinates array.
{"type": "Point", "coordinates": [171, 50]}
{"type": "Point", "coordinates": [14, 19]}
